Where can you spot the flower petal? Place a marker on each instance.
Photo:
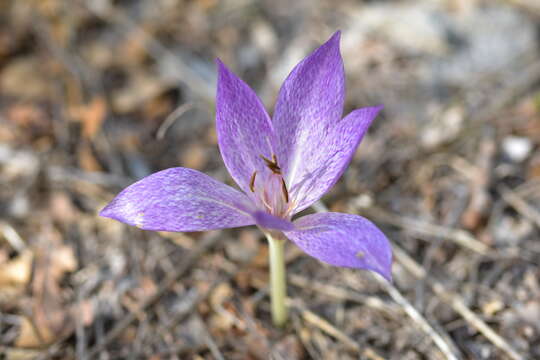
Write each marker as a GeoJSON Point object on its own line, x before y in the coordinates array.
{"type": "Point", "coordinates": [310, 101]}
{"type": "Point", "coordinates": [344, 240]}
{"type": "Point", "coordinates": [269, 221]}
{"type": "Point", "coordinates": [180, 199]}
{"type": "Point", "coordinates": [333, 150]}
{"type": "Point", "coordinates": [244, 128]}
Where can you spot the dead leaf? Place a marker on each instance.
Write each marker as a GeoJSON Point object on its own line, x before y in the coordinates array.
{"type": "Point", "coordinates": [90, 116]}
{"type": "Point", "coordinates": [492, 307]}
{"type": "Point", "coordinates": [51, 319]}
{"type": "Point", "coordinates": [141, 88]}
{"type": "Point", "coordinates": [25, 78]}
{"type": "Point", "coordinates": [290, 347]}
{"type": "Point", "coordinates": [21, 354]}
{"type": "Point", "coordinates": [134, 49]}
{"type": "Point", "coordinates": [195, 156]}
{"type": "Point", "coordinates": [84, 311]}
{"type": "Point", "coordinates": [16, 272]}
{"type": "Point", "coordinates": [223, 292]}
{"type": "Point", "coordinates": [146, 288]}
{"type": "Point", "coordinates": [261, 259]}
{"type": "Point", "coordinates": [257, 344]}
{"type": "Point", "coordinates": [62, 208]}
{"type": "Point", "coordinates": [28, 116]}
{"type": "Point", "coordinates": [63, 261]}
{"type": "Point", "coordinates": [33, 335]}
{"type": "Point", "coordinates": [87, 160]}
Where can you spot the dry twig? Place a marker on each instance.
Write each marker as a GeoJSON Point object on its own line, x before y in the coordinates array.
{"type": "Point", "coordinates": [180, 70]}
{"type": "Point", "coordinates": [12, 236]}
{"type": "Point", "coordinates": [210, 342]}
{"type": "Point", "coordinates": [515, 200]}
{"type": "Point", "coordinates": [165, 285]}
{"type": "Point", "coordinates": [422, 228]}
{"type": "Point", "coordinates": [343, 294]}
{"type": "Point", "coordinates": [456, 302]}
{"type": "Point", "coordinates": [449, 350]}
{"type": "Point", "coordinates": [171, 118]}
{"type": "Point", "coordinates": [333, 331]}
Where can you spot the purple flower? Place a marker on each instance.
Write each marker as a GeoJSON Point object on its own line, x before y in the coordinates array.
{"type": "Point", "coordinates": [283, 165]}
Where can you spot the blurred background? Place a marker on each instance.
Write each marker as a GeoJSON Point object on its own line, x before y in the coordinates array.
{"type": "Point", "coordinates": [97, 94]}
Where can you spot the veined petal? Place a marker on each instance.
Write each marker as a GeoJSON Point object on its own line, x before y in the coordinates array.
{"type": "Point", "coordinates": [244, 128]}
{"type": "Point", "coordinates": [344, 240]}
{"type": "Point", "coordinates": [309, 103]}
{"type": "Point", "coordinates": [321, 168]}
{"type": "Point", "coordinates": [180, 199]}
{"type": "Point", "coordinates": [269, 221]}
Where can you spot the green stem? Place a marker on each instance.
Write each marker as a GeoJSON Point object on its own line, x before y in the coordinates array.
{"type": "Point", "coordinates": [278, 283]}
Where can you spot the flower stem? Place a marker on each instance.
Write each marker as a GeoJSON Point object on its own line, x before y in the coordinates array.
{"type": "Point", "coordinates": [278, 283]}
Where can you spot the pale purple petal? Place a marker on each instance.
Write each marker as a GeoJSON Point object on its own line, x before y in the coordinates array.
{"type": "Point", "coordinates": [309, 103]}
{"type": "Point", "coordinates": [180, 199]}
{"type": "Point", "coordinates": [344, 240]}
{"type": "Point", "coordinates": [321, 168]}
{"type": "Point", "coordinates": [269, 221]}
{"type": "Point", "coordinates": [244, 128]}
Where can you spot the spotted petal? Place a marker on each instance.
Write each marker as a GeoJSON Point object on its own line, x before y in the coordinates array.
{"type": "Point", "coordinates": [344, 240]}
{"type": "Point", "coordinates": [333, 149]}
{"type": "Point", "coordinates": [243, 126]}
{"type": "Point", "coordinates": [180, 199]}
{"type": "Point", "coordinates": [309, 103]}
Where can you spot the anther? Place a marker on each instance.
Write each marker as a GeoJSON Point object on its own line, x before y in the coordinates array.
{"type": "Point", "coordinates": [252, 182]}
{"type": "Point", "coordinates": [284, 190]}
{"type": "Point", "coordinates": [272, 164]}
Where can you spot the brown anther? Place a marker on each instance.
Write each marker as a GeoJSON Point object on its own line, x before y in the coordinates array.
{"type": "Point", "coordinates": [360, 254]}
{"type": "Point", "coordinates": [252, 182]}
{"type": "Point", "coordinates": [284, 190]}
{"type": "Point", "coordinates": [272, 164]}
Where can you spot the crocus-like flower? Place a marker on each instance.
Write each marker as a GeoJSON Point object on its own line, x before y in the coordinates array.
{"type": "Point", "coordinates": [282, 164]}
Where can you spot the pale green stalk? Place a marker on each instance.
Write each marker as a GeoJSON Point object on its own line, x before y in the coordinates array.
{"type": "Point", "coordinates": [278, 282]}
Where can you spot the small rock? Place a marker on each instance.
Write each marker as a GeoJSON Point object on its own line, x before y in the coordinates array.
{"type": "Point", "coordinates": [17, 164]}
{"type": "Point", "coordinates": [363, 201]}
{"type": "Point", "coordinates": [444, 128]}
{"type": "Point", "coordinates": [517, 148]}
{"type": "Point", "coordinates": [264, 37]}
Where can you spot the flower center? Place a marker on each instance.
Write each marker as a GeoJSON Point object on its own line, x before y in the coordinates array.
{"type": "Point", "coordinates": [269, 189]}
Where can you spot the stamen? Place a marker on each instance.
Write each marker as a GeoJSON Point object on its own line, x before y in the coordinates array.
{"type": "Point", "coordinates": [252, 182]}
{"type": "Point", "coordinates": [272, 164]}
{"type": "Point", "coordinates": [265, 201]}
{"type": "Point", "coordinates": [266, 160]}
{"type": "Point", "coordinates": [284, 190]}
{"type": "Point", "coordinates": [360, 254]}
{"type": "Point", "coordinates": [290, 207]}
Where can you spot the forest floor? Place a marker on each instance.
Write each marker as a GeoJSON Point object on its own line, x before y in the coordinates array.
{"type": "Point", "coordinates": [97, 94]}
